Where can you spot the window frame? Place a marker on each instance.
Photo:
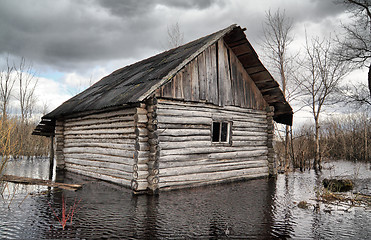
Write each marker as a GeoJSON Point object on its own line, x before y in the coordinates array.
{"type": "Point", "coordinates": [228, 141]}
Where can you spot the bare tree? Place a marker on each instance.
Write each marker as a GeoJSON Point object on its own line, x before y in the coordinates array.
{"type": "Point", "coordinates": [277, 30]}
{"type": "Point", "coordinates": [355, 47]}
{"type": "Point", "coordinates": [175, 35]}
{"type": "Point", "coordinates": [27, 85]}
{"type": "Point", "coordinates": [320, 76]}
{"type": "Point", "coordinates": [6, 86]}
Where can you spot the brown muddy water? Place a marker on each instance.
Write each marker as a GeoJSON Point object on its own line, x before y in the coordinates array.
{"type": "Point", "coordinates": [255, 209]}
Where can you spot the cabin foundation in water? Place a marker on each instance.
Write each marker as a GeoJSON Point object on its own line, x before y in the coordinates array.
{"type": "Point", "coordinates": [198, 114]}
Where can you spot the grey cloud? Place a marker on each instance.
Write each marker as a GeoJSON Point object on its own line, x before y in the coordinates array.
{"type": "Point", "coordinates": [70, 35]}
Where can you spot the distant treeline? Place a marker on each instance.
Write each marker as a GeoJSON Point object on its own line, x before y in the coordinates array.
{"type": "Point", "coordinates": [17, 139]}
{"type": "Point", "coordinates": [345, 138]}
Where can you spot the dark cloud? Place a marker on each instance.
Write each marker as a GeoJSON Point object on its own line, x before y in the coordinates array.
{"type": "Point", "coordinates": [70, 35]}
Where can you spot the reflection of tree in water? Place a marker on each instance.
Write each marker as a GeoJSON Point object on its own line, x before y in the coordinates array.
{"type": "Point", "coordinates": [219, 226]}
{"type": "Point", "coordinates": [282, 209]}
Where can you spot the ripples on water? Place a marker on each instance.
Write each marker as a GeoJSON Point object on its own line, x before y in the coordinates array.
{"type": "Point", "coordinates": [256, 209]}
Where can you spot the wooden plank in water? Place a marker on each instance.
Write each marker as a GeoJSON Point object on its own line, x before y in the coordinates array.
{"type": "Point", "coordinates": [34, 181]}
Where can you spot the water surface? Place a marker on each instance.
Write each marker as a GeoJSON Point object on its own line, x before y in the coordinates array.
{"type": "Point", "coordinates": [255, 209]}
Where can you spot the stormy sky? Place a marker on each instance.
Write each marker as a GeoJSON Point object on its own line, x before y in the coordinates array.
{"type": "Point", "coordinates": [71, 43]}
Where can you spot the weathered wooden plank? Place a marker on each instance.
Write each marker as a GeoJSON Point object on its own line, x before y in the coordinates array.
{"type": "Point", "coordinates": [42, 182]}
{"type": "Point", "coordinates": [195, 84]}
{"type": "Point", "coordinates": [178, 86]}
{"type": "Point", "coordinates": [225, 87]}
{"type": "Point", "coordinates": [202, 76]}
{"type": "Point", "coordinates": [167, 90]}
{"type": "Point", "coordinates": [186, 81]}
{"type": "Point", "coordinates": [211, 75]}
{"type": "Point", "coordinates": [118, 146]}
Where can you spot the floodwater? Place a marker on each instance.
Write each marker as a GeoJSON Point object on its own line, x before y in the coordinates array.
{"type": "Point", "coordinates": [254, 209]}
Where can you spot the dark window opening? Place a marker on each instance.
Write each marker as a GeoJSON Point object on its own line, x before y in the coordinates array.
{"type": "Point", "coordinates": [221, 132]}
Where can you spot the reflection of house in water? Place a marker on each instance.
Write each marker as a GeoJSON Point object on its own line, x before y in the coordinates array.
{"type": "Point", "coordinates": [197, 114]}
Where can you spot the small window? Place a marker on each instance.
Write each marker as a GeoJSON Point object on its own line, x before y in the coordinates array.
{"type": "Point", "coordinates": [221, 132]}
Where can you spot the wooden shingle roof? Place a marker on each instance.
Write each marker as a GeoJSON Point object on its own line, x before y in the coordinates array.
{"type": "Point", "coordinates": [136, 82]}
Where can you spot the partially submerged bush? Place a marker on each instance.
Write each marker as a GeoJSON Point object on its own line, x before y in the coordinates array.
{"type": "Point", "coordinates": [338, 185]}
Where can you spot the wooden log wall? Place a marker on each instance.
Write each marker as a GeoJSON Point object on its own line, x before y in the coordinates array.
{"type": "Point", "coordinates": [139, 181]}
{"type": "Point", "coordinates": [59, 142]}
{"type": "Point", "coordinates": [272, 165]}
{"type": "Point", "coordinates": [189, 158]}
{"type": "Point", "coordinates": [216, 76]}
{"type": "Point", "coordinates": [103, 145]}
{"type": "Point", "coordinates": [154, 151]}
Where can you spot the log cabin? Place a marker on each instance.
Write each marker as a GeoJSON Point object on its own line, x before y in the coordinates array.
{"type": "Point", "coordinates": [198, 114]}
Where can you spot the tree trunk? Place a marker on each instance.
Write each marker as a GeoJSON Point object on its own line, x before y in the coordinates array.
{"type": "Point", "coordinates": [316, 161]}
{"type": "Point", "coordinates": [369, 78]}
{"type": "Point", "coordinates": [287, 148]}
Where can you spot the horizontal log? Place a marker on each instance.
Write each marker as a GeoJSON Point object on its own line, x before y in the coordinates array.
{"type": "Point", "coordinates": [168, 185]}
{"type": "Point", "coordinates": [101, 136]}
{"type": "Point", "coordinates": [139, 185]}
{"type": "Point", "coordinates": [184, 144]}
{"type": "Point", "coordinates": [97, 121]}
{"type": "Point", "coordinates": [109, 114]}
{"type": "Point", "coordinates": [100, 171]}
{"type": "Point", "coordinates": [121, 181]}
{"type": "Point", "coordinates": [140, 167]}
{"type": "Point", "coordinates": [212, 176]}
{"type": "Point", "coordinates": [164, 139]}
{"type": "Point", "coordinates": [127, 130]}
{"type": "Point", "coordinates": [100, 157]}
{"type": "Point", "coordinates": [248, 133]}
{"type": "Point", "coordinates": [170, 163]}
{"type": "Point", "coordinates": [100, 150]}
{"type": "Point", "coordinates": [162, 126]}
{"type": "Point", "coordinates": [249, 143]}
{"type": "Point", "coordinates": [217, 167]}
{"type": "Point", "coordinates": [141, 118]}
{"type": "Point", "coordinates": [126, 167]}
{"type": "Point", "coordinates": [118, 146]}
{"type": "Point", "coordinates": [101, 125]}
{"type": "Point", "coordinates": [124, 141]}
{"type": "Point", "coordinates": [210, 150]}
{"type": "Point", "coordinates": [180, 119]}
{"type": "Point", "coordinates": [140, 175]}
{"type": "Point", "coordinates": [184, 132]}
{"type": "Point", "coordinates": [249, 124]}
{"type": "Point", "coordinates": [169, 104]}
